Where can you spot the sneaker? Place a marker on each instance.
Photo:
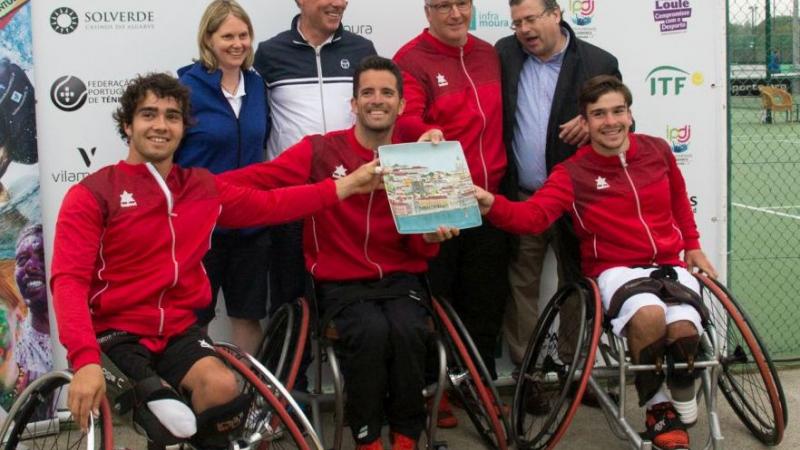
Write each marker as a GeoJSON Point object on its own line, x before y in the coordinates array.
{"type": "Point", "coordinates": [446, 418]}
{"type": "Point", "coordinates": [403, 442]}
{"type": "Point", "coordinates": [374, 445]}
{"type": "Point", "coordinates": [665, 428]}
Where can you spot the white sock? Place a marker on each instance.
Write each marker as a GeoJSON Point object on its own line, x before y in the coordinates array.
{"type": "Point", "coordinates": [660, 397]}
{"type": "Point", "coordinates": [686, 410]}
{"type": "Point", "coordinates": [175, 415]}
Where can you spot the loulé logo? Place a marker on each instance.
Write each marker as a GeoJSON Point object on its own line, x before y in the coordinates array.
{"type": "Point", "coordinates": [68, 93]}
{"type": "Point", "coordinates": [64, 20]}
{"type": "Point", "coordinates": [679, 138]}
{"type": "Point", "coordinates": [672, 14]}
{"type": "Point", "coordinates": [671, 80]}
{"type": "Point", "coordinates": [582, 11]}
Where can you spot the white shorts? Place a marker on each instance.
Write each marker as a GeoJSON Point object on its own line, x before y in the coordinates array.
{"type": "Point", "coordinates": [612, 279]}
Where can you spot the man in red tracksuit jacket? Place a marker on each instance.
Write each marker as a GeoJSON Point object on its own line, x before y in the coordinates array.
{"type": "Point", "coordinates": [453, 83]}
{"type": "Point", "coordinates": [127, 266]}
{"type": "Point", "coordinates": [367, 276]}
{"type": "Point", "coordinates": [630, 210]}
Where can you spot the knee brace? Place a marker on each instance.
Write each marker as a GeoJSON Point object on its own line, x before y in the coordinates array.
{"type": "Point", "coordinates": [217, 425]}
{"type": "Point", "coordinates": [682, 350]}
{"type": "Point", "coordinates": [648, 382]}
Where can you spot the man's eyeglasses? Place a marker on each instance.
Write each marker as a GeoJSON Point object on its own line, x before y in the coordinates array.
{"type": "Point", "coordinates": [444, 8]}
{"type": "Point", "coordinates": [528, 20]}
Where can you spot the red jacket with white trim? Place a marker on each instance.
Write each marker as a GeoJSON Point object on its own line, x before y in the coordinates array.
{"type": "Point", "coordinates": [354, 240]}
{"type": "Point", "coordinates": [627, 210]}
{"type": "Point", "coordinates": [456, 89]}
{"type": "Point", "coordinates": [129, 247]}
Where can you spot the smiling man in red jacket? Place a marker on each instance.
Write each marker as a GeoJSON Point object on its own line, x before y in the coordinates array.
{"type": "Point", "coordinates": [631, 213]}
{"type": "Point", "coordinates": [128, 274]}
{"type": "Point", "coordinates": [367, 275]}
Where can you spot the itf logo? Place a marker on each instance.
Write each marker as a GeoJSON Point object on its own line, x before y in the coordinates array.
{"type": "Point", "coordinates": [679, 138]}
{"type": "Point", "coordinates": [671, 80]}
{"type": "Point", "coordinates": [582, 12]}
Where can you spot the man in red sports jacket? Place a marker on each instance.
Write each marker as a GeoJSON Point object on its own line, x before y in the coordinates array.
{"type": "Point", "coordinates": [127, 265]}
{"type": "Point", "coordinates": [367, 275]}
{"type": "Point", "coordinates": [631, 213]}
{"type": "Point", "coordinates": [453, 82]}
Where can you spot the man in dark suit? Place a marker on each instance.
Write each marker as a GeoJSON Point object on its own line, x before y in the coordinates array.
{"type": "Point", "coordinates": [544, 66]}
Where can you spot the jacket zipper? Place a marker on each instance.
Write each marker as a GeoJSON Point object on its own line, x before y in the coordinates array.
{"type": "Point", "coordinates": [639, 207]}
{"type": "Point", "coordinates": [318, 55]}
{"type": "Point", "coordinates": [163, 185]}
{"type": "Point", "coordinates": [483, 118]}
{"type": "Point", "coordinates": [366, 236]}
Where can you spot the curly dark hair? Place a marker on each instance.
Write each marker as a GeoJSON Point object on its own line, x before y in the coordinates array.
{"type": "Point", "coordinates": [162, 85]}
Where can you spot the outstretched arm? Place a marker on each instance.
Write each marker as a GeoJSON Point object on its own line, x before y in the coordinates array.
{"type": "Point", "coordinates": [534, 215]}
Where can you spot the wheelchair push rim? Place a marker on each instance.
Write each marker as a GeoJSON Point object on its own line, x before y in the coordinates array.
{"type": "Point", "coordinates": [748, 379]}
{"type": "Point", "coordinates": [57, 429]}
{"type": "Point", "coordinates": [543, 372]}
{"type": "Point", "coordinates": [471, 380]}
{"type": "Point", "coordinates": [268, 421]}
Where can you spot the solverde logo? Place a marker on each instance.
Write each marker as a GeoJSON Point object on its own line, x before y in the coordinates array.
{"type": "Point", "coordinates": [582, 11]}
{"type": "Point", "coordinates": [487, 19]}
{"type": "Point", "coordinates": [671, 80]}
{"type": "Point", "coordinates": [679, 138]}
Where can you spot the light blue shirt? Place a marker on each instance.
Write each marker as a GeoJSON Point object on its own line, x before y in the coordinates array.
{"type": "Point", "coordinates": [535, 90]}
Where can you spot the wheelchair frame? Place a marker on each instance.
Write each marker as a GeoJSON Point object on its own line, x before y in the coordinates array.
{"type": "Point", "coordinates": [719, 354]}
{"type": "Point", "coordinates": [269, 412]}
{"type": "Point", "coordinates": [294, 319]}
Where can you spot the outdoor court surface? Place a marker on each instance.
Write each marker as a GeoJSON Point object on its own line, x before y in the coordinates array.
{"type": "Point", "coordinates": [765, 223]}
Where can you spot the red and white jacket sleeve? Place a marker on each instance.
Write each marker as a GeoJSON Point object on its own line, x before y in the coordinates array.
{"type": "Point", "coordinates": [536, 214]}
{"type": "Point", "coordinates": [247, 202]}
{"type": "Point", "coordinates": [291, 168]}
{"type": "Point", "coordinates": [411, 124]}
{"type": "Point", "coordinates": [79, 230]}
{"type": "Point", "coordinates": [681, 208]}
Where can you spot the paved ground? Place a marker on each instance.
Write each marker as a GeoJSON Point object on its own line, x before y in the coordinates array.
{"type": "Point", "coordinates": [590, 429]}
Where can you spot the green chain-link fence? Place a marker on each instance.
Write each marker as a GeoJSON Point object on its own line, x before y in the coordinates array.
{"type": "Point", "coordinates": [764, 262]}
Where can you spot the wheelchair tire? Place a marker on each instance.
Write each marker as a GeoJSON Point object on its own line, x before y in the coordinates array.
{"type": "Point", "coordinates": [269, 424]}
{"type": "Point", "coordinates": [748, 378]}
{"type": "Point", "coordinates": [34, 423]}
{"type": "Point", "coordinates": [471, 380]}
{"type": "Point", "coordinates": [555, 385]}
{"type": "Point", "coordinates": [281, 350]}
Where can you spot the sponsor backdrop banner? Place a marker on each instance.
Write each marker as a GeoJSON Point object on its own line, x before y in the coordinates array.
{"type": "Point", "coordinates": [25, 347]}
{"type": "Point", "coordinates": [86, 50]}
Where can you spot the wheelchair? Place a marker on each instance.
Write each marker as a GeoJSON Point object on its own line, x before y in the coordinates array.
{"type": "Point", "coordinates": [460, 369]}
{"type": "Point", "coordinates": [38, 419]}
{"type": "Point", "coordinates": [570, 352]}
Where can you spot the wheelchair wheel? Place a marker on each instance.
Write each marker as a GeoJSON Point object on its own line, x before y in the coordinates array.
{"type": "Point", "coordinates": [34, 422]}
{"type": "Point", "coordinates": [269, 423]}
{"type": "Point", "coordinates": [557, 366]}
{"type": "Point", "coordinates": [748, 379]}
{"type": "Point", "coordinates": [471, 380]}
{"type": "Point", "coordinates": [281, 351]}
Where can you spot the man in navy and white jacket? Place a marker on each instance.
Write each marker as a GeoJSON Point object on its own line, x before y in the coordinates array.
{"type": "Point", "coordinates": [309, 74]}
